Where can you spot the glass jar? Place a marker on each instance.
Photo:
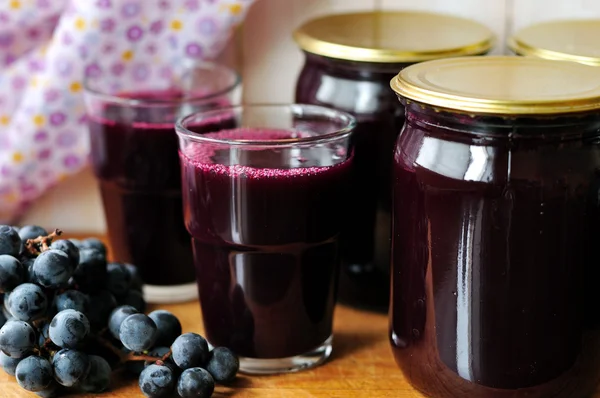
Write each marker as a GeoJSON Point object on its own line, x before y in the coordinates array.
{"type": "Point", "coordinates": [350, 59]}
{"type": "Point", "coordinates": [571, 40]}
{"type": "Point", "coordinates": [495, 212]}
{"type": "Point", "coordinates": [263, 198]}
{"type": "Point", "coordinates": [133, 153]}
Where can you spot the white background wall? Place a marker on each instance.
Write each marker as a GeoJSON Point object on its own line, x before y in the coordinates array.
{"type": "Point", "coordinates": [269, 62]}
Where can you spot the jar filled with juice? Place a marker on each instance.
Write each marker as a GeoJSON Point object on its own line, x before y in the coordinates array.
{"type": "Point", "coordinates": [350, 59]}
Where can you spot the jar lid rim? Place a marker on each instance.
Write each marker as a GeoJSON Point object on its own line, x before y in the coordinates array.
{"type": "Point", "coordinates": [567, 40]}
{"type": "Point", "coordinates": [502, 85]}
{"type": "Point", "coordinates": [393, 36]}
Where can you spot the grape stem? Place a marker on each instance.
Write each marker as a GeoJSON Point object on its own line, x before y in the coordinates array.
{"type": "Point", "coordinates": [143, 357]}
{"type": "Point", "coordinates": [46, 348]}
{"type": "Point", "coordinates": [41, 243]}
{"type": "Point", "coordinates": [131, 356]}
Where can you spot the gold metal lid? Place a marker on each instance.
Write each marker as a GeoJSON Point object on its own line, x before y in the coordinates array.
{"type": "Point", "coordinates": [504, 85]}
{"type": "Point", "coordinates": [562, 40]}
{"type": "Point", "coordinates": [393, 37]}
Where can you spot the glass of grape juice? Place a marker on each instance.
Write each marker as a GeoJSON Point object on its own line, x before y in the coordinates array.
{"type": "Point", "coordinates": [265, 190]}
{"type": "Point", "coordinates": [134, 157]}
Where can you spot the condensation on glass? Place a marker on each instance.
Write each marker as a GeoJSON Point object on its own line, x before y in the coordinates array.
{"type": "Point", "coordinates": [350, 59]}
{"type": "Point", "coordinates": [496, 205]}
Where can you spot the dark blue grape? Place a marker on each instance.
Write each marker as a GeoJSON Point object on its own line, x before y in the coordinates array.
{"type": "Point", "coordinates": [117, 317]}
{"type": "Point", "coordinates": [223, 365]}
{"type": "Point", "coordinates": [34, 373]}
{"type": "Point", "coordinates": [69, 328]}
{"type": "Point", "coordinates": [93, 243]}
{"type": "Point", "coordinates": [27, 302]}
{"type": "Point", "coordinates": [134, 299]}
{"type": "Point", "coordinates": [77, 243]}
{"type": "Point", "coordinates": [118, 280]}
{"type": "Point", "coordinates": [28, 264]}
{"type": "Point", "coordinates": [98, 378]}
{"type": "Point", "coordinates": [138, 332]}
{"type": "Point", "coordinates": [71, 285]}
{"type": "Point", "coordinates": [195, 383]}
{"type": "Point", "coordinates": [9, 364]}
{"type": "Point", "coordinates": [52, 269]}
{"type": "Point", "coordinates": [43, 332]}
{"type": "Point", "coordinates": [12, 273]}
{"type": "Point", "coordinates": [17, 339]}
{"type": "Point", "coordinates": [107, 351]}
{"type": "Point", "coordinates": [31, 232]}
{"type": "Point", "coordinates": [157, 381]}
{"type": "Point", "coordinates": [53, 390]}
{"type": "Point", "coordinates": [102, 303]}
{"type": "Point", "coordinates": [70, 367]}
{"type": "Point", "coordinates": [6, 307]}
{"type": "Point", "coordinates": [3, 319]}
{"type": "Point", "coordinates": [72, 300]}
{"type": "Point", "coordinates": [69, 248]}
{"type": "Point", "coordinates": [169, 327]}
{"type": "Point", "coordinates": [90, 275]}
{"type": "Point", "coordinates": [5, 312]}
{"type": "Point", "coordinates": [10, 242]}
{"type": "Point", "coordinates": [190, 350]}
{"type": "Point", "coordinates": [136, 279]}
{"type": "Point", "coordinates": [51, 309]}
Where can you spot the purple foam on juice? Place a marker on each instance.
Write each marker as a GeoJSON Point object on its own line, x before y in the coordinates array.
{"type": "Point", "coordinates": [204, 156]}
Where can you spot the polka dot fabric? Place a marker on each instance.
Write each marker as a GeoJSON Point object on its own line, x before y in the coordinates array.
{"type": "Point", "coordinates": [48, 47]}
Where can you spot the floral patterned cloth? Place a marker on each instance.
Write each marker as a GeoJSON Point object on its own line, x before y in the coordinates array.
{"type": "Point", "coordinates": [46, 49]}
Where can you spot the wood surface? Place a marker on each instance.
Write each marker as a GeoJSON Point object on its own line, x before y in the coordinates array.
{"type": "Point", "coordinates": [361, 365]}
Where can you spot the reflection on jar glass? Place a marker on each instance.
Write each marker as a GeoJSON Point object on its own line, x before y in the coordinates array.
{"type": "Point", "coordinates": [496, 215]}
{"type": "Point", "coordinates": [350, 59]}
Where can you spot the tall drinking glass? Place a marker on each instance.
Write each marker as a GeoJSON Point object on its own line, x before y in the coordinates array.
{"type": "Point", "coordinates": [264, 193]}
{"type": "Point", "coordinates": [134, 156]}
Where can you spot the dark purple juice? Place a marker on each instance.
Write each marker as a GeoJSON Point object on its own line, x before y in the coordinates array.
{"type": "Point", "coordinates": [362, 89]}
{"type": "Point", "coordinates": [265, 243]}
{"type": "Point", "coordinates": [365, 240]}
{"type": "Point", "coordinates": [492, 242]}
{"type": "Point", "coordinates": [134, 156]}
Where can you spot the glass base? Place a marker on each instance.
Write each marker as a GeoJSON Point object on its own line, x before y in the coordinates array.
{"type": "Point", "coordinates": [154, 294]}
{"type": "Point", "coordinates": [315, 357]}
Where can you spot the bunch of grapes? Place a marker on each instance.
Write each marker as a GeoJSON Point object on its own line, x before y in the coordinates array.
{"type": "Point", "coordinates": [70, 318]}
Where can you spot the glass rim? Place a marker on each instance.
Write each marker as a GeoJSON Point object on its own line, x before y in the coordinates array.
{"type": "Point", "coordinates": [132, 101]}
{"type": "Point", "coordinates": [183, 131]}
